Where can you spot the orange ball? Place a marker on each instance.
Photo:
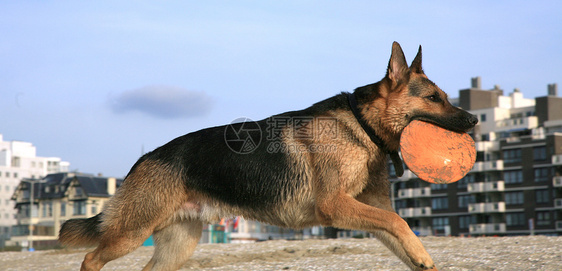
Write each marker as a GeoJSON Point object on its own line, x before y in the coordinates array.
{"type": "Point", "coordinates": [435, 154]}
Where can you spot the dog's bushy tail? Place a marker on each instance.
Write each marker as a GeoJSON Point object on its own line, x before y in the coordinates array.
{"type": "Point", "coordinates": [81, 232]}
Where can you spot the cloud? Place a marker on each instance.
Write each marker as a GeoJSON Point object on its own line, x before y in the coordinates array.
{"type": "Point", "coordinates": [166, 102]}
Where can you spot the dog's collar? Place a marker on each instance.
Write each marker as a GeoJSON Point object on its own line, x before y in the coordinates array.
{"type": "Point", "coordinates": [396, 161]}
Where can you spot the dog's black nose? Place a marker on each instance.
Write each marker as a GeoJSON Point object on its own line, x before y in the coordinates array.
{"type": "Point", "coordinates": [472, 120]}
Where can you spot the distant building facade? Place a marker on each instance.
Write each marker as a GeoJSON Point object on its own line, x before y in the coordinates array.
{"type": "Point", "coordinates": [57, 198]}
{"type": "Point", "coordinates": [240, 230]}
{"type": "Point", "coordinates": [515, 186]}
{"type": "Point", "coordinates": [18, 160]}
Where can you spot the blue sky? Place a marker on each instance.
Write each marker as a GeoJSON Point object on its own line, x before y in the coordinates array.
{"type": "Point", "coordinates": [97, 82]}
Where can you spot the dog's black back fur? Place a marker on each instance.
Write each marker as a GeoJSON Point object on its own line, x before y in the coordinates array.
{"type": "Point", "coordinates": [250, 180]}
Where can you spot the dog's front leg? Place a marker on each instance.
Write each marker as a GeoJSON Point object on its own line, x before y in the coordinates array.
{"type": "Point", "coordinates": [343, 211]}
{"type": "Point", "coordinates": [392, 243]}
{"type": "Point", "coordinates": [378, 197]}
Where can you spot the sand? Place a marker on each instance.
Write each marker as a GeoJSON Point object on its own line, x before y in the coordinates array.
{"type": "Point", "coordinates": [449, 253]}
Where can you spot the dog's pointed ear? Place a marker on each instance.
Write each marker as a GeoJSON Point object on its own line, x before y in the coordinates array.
{"type": "Point", "coordinates": [417, 63]}
{"type": "Point", "coordinates": [397, 67]}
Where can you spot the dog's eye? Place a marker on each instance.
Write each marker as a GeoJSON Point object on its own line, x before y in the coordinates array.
{"type": "Point", "coordinates": [433, 98]}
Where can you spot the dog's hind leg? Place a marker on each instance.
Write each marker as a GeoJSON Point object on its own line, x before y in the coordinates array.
{"type": "Point", "coordinates": [149, 196]}
{"type": "Point", "coordinates": [112, 248]}
{"type": "Point", "coordinates": [174, 245]}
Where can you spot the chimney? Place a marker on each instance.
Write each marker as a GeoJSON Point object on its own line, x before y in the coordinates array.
{"type": "Point", "coordinates": [111, 186]}
{"type": "Point", "coordinates": [553, 89]}
{"type": "Point", "coordinates": [476, 82]}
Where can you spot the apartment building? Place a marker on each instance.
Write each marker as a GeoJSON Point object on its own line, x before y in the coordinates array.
{"type": "Point", "coordinates": [57, 198]}
{"type": "Point", "coordinates": [515, 186]}
{"type": "Point", "coordinates": [18, 160]}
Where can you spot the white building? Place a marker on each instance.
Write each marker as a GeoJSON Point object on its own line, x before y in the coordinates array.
{"type": "Point", "coordinates": [18, 160]}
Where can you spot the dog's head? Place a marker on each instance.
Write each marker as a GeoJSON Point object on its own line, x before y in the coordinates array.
{"type": "Point", "coordinates": [406, 94]}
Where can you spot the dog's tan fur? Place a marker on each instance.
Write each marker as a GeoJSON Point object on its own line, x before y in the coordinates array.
{"type": "Point", "coordinates": [346, 187]}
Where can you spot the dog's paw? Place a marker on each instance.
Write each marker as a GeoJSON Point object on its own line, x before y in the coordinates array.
{"type": "Point", "coordinates": [424, 263]}
{"type": "Point", "coordinates": [424, 268]}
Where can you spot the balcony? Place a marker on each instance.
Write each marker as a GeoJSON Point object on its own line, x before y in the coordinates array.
{"type": "Point", "coordinates": [517, 123]}
{"type": "Point", "coordinates": [487, 166]}
{"type": "Point", "coordinates": [407, 175]}
{"type": "Point", "coordinates": [406, 193]}
{"type": "Point", "coordinates": [492, 228]}
{"type": "Point", "coordinates": [422, 211]}
{"type": "Point", "coordinates": [414, 192]}
{"type": "Point", "coordinates": [482, 187]}
{"type": "Point", "coordinates": [558, 203]}
{"type": "Point", "coordinates": [487, 146]}
{"type": "Point", "coordinates": [414, 212]}
{"type": "Point", "coordinates": [422, 192]}
{"type": "Point", "coordinates": [406, 212]}
{"type": "Point", "coordinates": [557, 181]}
{"type": "Point", "coordinates": [490, 207]}
{"type": "Point", "coordinates": [557, 159]}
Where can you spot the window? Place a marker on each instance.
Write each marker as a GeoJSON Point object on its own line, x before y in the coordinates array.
{"type": "Point", "coordinates": [63, 209]}
{"type": "Point", "coordinates": [512, 156]}
{"type": "Point", "coordinates": [47, 209]}
{"type": "Point", "coordinates": [543, 196]}
{"type": "Point", "coordinates": [465, 200]}
{"type": "Point", "coordinates": [539, 153]}
{"type": "Point", "coordinates": [79, 208]}
{"type": "Point", "coordinates": [542, 174]}
{"type": "Point", "coordinates": [78, 191]}
{"type": "Point", "coordinates": [465, 221]}
{"type": "Point", "coordinates": [400, 204]}
{"type": "Point", "coordinates": [94, 209]}
{"type": "Point", "coordinates": [439, 223]}
{"type": "Point", "coordinates": [16, 161]}
{"type": "Point", "coordinates": [483, 117]}
{"type": "Point", "coordinates": [23, 210]}
{"type": "Point", "coordinates": [512, 198]}
{"type": "Point", "coordinates": [440, 203]}
{"type": "Point", "coordinates": [543, 218]}
{"type": "Point", "coordinates": [462, 183]}
{"type": "Point", "coordinates": [515, 219]}
{"type": "Point", "coordinates": [436, 186]}
{"type": "Point", "coordinates": [513, 176]}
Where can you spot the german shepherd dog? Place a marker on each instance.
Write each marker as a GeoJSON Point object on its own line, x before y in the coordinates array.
{"type": "Point", "coordinates": [324, 165]}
